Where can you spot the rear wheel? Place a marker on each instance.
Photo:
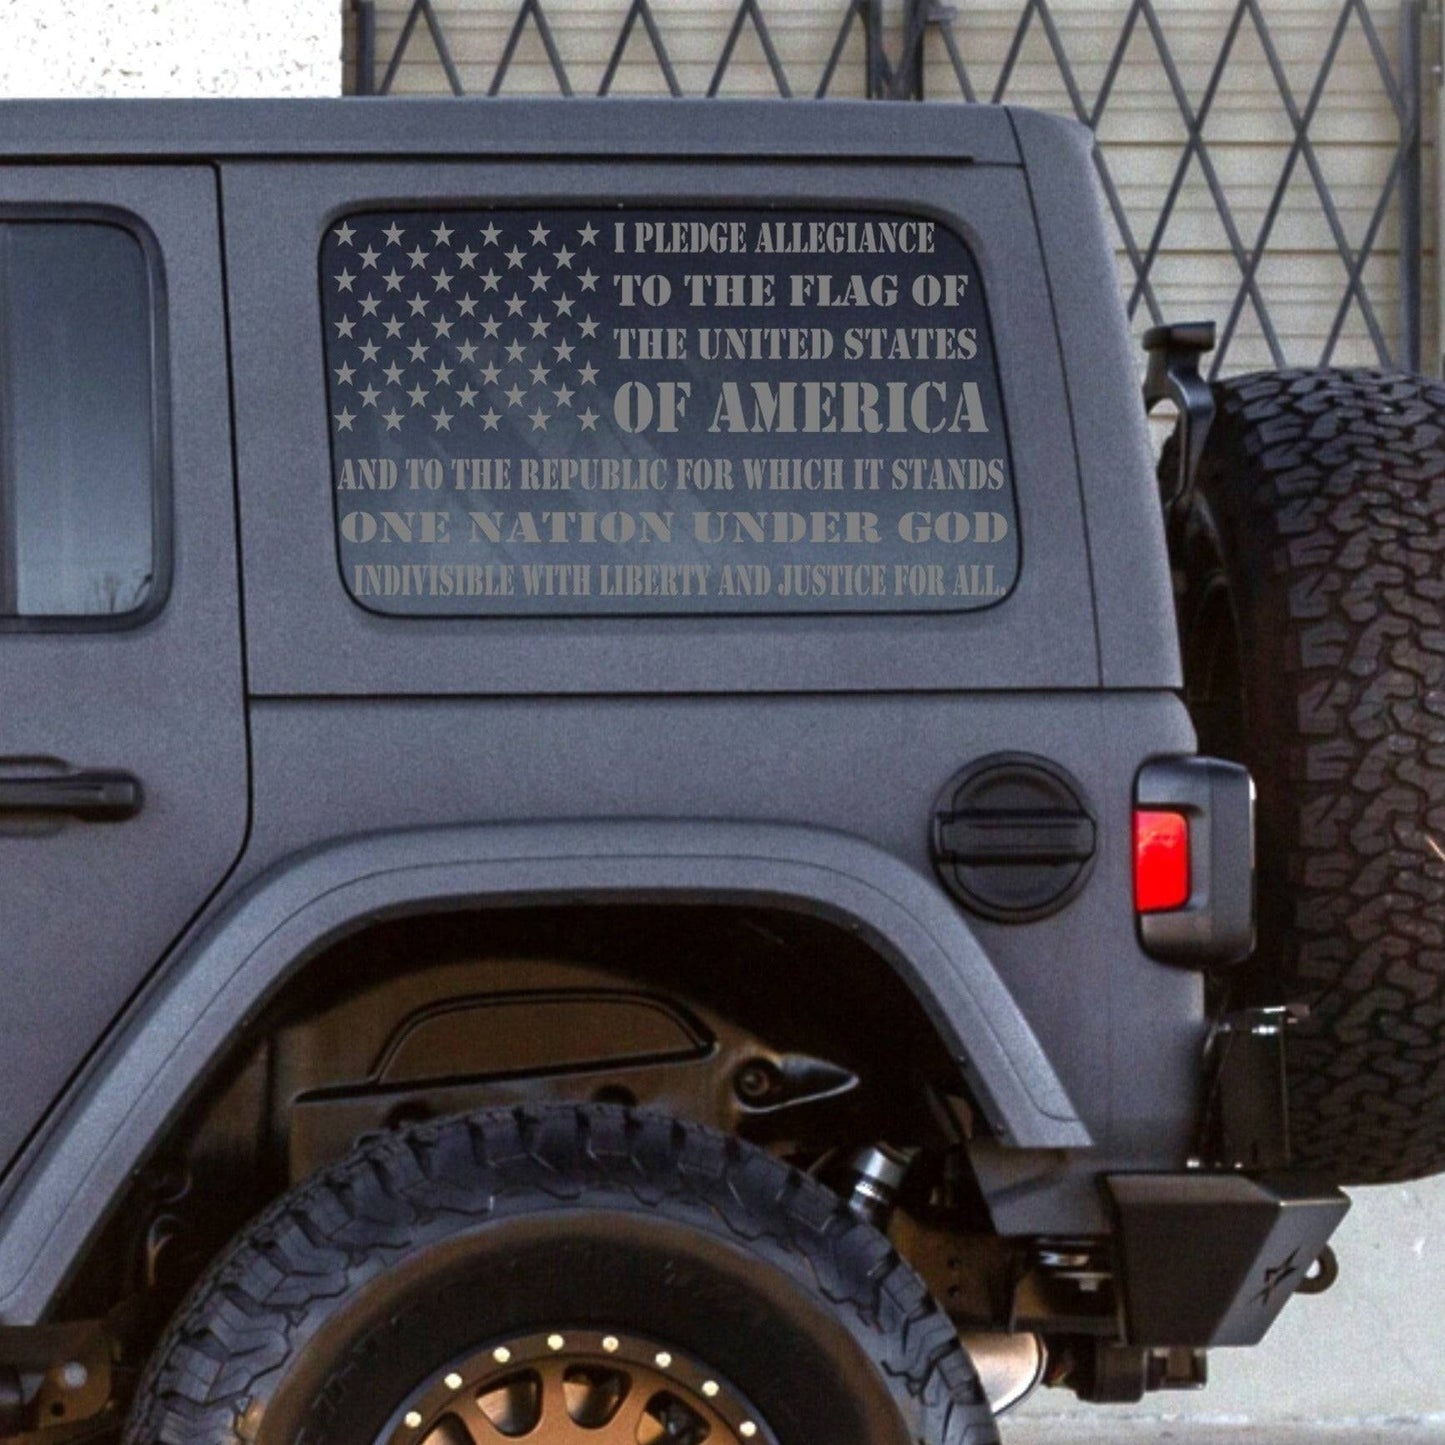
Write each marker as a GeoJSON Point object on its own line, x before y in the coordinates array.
{"type": "Point", "coordinates": [567, 1276]}
{"type": "Point", "coordinates": [1312, 621]}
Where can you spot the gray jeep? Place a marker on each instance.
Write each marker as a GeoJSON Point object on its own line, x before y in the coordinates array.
{"type": "Point", "coordinates": [606, 832]}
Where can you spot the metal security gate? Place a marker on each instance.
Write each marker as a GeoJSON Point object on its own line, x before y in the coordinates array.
{"type": "Point", "coordinates": [1266, 170]}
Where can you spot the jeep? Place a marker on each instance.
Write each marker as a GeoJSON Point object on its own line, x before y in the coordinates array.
{"type": "Point", "coordinates": [627, 804]}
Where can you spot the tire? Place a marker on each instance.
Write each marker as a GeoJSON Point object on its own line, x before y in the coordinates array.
{"type": "Point", "coordinates": [1312, 623]}
{"type": "Point", "coordinates": [480, 1258]}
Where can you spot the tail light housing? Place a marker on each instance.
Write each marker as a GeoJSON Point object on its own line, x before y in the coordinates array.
{"type": "Point", "coordinates": [1194, 861]}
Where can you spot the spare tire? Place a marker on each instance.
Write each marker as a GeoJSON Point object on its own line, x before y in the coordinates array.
{"type": "Point", "coordinates": [1310, 565]}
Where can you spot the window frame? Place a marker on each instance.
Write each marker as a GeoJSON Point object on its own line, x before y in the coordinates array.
{"type": "Point", "coordinates": [162, 527]}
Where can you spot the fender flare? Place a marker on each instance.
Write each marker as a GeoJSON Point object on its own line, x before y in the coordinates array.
{"type": "Point", "coordinates": [147, 1071]}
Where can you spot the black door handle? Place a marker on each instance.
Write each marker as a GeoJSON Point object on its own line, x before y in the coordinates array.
{"type": "Point", "coordinates": [96, 795]}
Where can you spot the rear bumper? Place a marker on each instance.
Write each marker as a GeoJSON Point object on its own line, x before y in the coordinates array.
{"type": "Point", "coordinates": [1210, 1259]}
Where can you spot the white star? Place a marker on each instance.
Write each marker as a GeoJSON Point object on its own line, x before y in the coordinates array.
{"type": "Point", "coordinates": [369, 305]}
{"type": "Point", "coordinates": [588, 280]}
{"type": "Point", "coordinates": [516, 351]}
{"type": "Point", "coordinates": [392, 328]}
{"type": "Point", "coordinates": [344, 280]}
{"type": "Point", "coordinates": [369, 351]}
{"type": "Point", "coordinates": [588, 419]}
{"type": "Point", "coordinates": [563, 305]}
{"type": "Point", "coordinates": [467, 351]}
{"type": "Point", "coordinates": [540, 234]}
{"type": "Point", "coordinates": [443, 233]}
{"type": "Point", "coordinates": [589, 326]}
{"type": "Point", "coordinates": [443, 281]}
{"type": "Point", "coordinates": [344, 374]}
{"type": "Point", "coordinates": [369, 395]}
{"type": "Point", "coordinates": [393, 374]}
{"type": "Point", "coordinates": [539, 420]}
{"type": "Point", "coordinates": [443, 419]}
{"type": "Point", "coordinates": [515, 257]}
{"type": "Point", "coordinates": [563, 257]}
{"type": "Point", "coordinates": [345, 327]}
{"type": "Point", "coordinates": [344, 233]}
{"type": "Point", "coordinates": [393, 279]}
{"type": "Point", "coordinates": [467, 396]}
{"type": "Point", "coordinates": [344, 419]}
{"type": "Point", "coordinates": [539, 373]}
{"type": "Point", "coordinates": [491, 326]}
{"type": "Point", "coordinates": [588, 234]}
{"type": "Point", "coordinates": [467, 257]}
{"type": "Point", "coordinates": [392, 419]}
{"type": "Point", "coordinates": [442, 326]}
{"type": "Point", "coordinates": [539, 327]}
{"type": "Point", "coordinates": [417, 351]}
{"type": "Point", "coordinates": [443, 373]}
{"type": "Point", "coordinates": [589, 374]}
{"type": "Point", "coordinates": [538, 279]}
{"type": "Point", "coordinates": [564, 395]}
{"type": "Point", "coordinates": [418, 257]}
{"type": "Point", "coordinates": [513, 395]}
{"type": "Point", "coordinates": [515, 306]}
{"type": "Point", "coordinates": [563, 350]}
{"type": "Point", "coordinates": [418, 305]}
{"type": "Point", "coordinates": [370, 257]}
{"type": "Point", "coordinates": [392, 234]}
{"type": "Point", "coordinates": [467, 304]}
{"type": "Point", "coordinates": [490, 419]}
{"type": "Point", "coordinates": [417, 395]}
{"type": "Point", "coordinates": [490, 280]}
{"type": "Point", "coordinates": [490, 234]}
{"type": "Point", "coordinates": [490, 374]}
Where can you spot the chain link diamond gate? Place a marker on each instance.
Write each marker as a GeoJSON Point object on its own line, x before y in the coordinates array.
{"type": "Point", "coordinates": [1312, 190]}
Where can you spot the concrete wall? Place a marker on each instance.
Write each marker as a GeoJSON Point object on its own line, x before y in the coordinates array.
{"type": "Point", "coordinates": [169, 47]}
{"type": "Point", "coordinates": [1371, 1350]}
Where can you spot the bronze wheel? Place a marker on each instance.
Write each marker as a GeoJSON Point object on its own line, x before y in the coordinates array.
{"type": "Point", "coordinates": [578, 1387]}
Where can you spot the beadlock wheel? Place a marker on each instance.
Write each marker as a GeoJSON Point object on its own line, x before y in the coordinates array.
{"type": "Point", "coordinates": [578, 1387]}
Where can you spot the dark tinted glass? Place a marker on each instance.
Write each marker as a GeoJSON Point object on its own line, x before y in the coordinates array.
{"type": "Point", "coordinates": [76, 421]}
{"type": "Point", "coordinates": [650, 412]}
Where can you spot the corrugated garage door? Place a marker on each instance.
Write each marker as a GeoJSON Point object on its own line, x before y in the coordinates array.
{"type": "Point", "coordinates": [1261, 161]}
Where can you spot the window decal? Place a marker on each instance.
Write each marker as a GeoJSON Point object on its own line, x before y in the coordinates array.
{"type": "Point", "coordinates": [653, 412]}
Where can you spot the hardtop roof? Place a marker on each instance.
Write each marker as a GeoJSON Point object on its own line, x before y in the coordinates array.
{"type": "Point", "coordinates": [486, 128]}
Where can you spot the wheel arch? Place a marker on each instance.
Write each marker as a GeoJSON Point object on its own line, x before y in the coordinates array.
{"type": "Point", "coordinates": [308, 902]}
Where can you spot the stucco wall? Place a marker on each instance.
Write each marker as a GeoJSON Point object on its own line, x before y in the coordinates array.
{"type": "Point", "coordinates": [169, 47]}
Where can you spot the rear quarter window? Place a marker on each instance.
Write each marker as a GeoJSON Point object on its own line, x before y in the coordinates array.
{"type": "Point", "coordinates": [603, 412]}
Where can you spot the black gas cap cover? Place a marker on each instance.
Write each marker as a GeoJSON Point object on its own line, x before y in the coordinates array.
{"type": "Point", "coordinates": [1012, 838]}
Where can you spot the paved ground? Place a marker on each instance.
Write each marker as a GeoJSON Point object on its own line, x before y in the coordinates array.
{"type": "Point", "coordinates": [1197, 1432]}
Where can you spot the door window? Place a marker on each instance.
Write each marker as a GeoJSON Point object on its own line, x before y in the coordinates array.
{"type": "Point", "coordinates": [78, 434]}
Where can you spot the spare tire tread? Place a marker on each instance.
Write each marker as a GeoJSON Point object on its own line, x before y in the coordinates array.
{"type": "Point", "coordinates": [1327, 490]}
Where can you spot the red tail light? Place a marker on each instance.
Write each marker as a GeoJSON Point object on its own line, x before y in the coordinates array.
{"type": "Point", "coordinates": [1161, 861]}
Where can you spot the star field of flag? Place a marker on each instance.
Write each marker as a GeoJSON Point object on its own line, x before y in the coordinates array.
{"type": "Point", "coordinates": [457, 328]}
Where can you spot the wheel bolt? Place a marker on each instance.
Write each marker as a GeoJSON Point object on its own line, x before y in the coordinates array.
{"type": "Point", "coordinates": [755, 1082]}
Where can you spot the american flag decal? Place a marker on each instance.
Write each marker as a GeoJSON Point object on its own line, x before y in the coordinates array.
{"type": "Point", "coordinates": [455, 325]}
{"type": "Point", "coordinates": [615, 411]}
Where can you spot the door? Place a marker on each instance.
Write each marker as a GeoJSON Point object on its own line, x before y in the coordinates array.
{"type": "Point", "coordinates": [123, 779]}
